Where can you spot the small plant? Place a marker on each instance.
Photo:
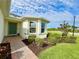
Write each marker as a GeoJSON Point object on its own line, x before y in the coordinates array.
{"type": "Point", "coordinates": [31, 38]}
{"type": "Point", "coordinates": [39, 41]}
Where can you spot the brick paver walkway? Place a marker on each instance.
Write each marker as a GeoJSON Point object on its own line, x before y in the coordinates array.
{"type": "Point", "coordinates": [19, 50]}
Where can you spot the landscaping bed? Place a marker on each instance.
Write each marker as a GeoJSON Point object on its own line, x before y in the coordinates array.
{"type": "Point", "coordinates": [38, 44]}
{"type": "Point", "coordinates": [5, 51]}
{"type": "Point", "coordinates": [35, 48]}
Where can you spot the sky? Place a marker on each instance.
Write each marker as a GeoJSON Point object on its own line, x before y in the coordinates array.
{"type": "Point", "coordinates": [56, 11]}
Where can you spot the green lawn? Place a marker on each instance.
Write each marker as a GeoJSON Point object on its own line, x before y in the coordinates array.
{"type": "Point", "coordinates": [61, 51]}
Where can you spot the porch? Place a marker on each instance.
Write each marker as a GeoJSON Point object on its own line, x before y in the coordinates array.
{"type": "Point", "coordinates": [18, 49]}
{"type": "Point", "coordinates": [25, 27]}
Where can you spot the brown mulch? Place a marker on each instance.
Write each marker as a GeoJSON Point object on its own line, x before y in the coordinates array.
{"type": "Point", "coordinates": [5, 51]}
{"type": "Point", "coordinates": [36, 49]}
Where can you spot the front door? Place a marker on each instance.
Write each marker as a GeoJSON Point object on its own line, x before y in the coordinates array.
{"type": "Point", "coordinates": [12, 28]}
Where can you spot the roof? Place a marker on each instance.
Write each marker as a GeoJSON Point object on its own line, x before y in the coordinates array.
{"type": "Point", "coordinates": [35, 18]}
{"type": "Point", "coordinates": [25, 18]}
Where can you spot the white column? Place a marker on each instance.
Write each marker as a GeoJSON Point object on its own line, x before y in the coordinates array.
{"type": "Point", "coordinates": [45, 28]}
{"type": "Point", "coordinates": [1, 26]}
{"type": "Point", "coordinates": [38, 28]}
{"type": "Point", "coordinates": [6, 27]}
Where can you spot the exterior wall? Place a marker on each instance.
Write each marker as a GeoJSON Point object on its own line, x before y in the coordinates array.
{"type": "Point", "coordinates": [6, 26]}
{"type": "Point", "coordinates": [19, 27]}
{"type": "Point", "coordinates": [1, 26]}
{"type": "Point", "coordinates": [25, 29]}
{"type": "Point", "coordinates": [42, 35]}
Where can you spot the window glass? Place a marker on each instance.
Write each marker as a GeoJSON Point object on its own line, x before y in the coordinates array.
{"type": "Point", "coordinates": [42, 27]}
{"type": "Point", "coordinates": [32, 27]}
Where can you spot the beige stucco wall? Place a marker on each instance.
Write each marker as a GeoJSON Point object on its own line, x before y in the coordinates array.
{"type": "Point", "coordinates": [19, 27]}
{"type": "Point", "coordinates": [1, 26]}
{"type": "Point", "coordinates": [25, 29]}
{"type": "Point", "coordinates": [5, 27]}
{"type": "Point", "coordinates": [41, 35]}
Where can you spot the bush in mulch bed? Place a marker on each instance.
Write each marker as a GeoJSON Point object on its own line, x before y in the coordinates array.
{"type": "Point", "coordinates": [31, 38]}
{"type": "Point", "coordinates": [37, 49]}
{"type": "Point", "coordinates": [39, 41]}
{"type": "Point", "coordinates": [38, 45]}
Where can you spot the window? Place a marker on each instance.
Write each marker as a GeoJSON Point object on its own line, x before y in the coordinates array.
{"type": "Point", "coordinates": [42, 27]}
{"type": "Point", "coordinates": [32, 27]}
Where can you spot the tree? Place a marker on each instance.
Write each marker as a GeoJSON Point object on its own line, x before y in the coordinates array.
{"type": "Point", "coordinates": [64, 28]}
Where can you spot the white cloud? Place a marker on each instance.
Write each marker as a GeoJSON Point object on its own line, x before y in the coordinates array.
{"type": "Point", "coordinates": [53, 10]}
{"type": "Point", "coordinates": [68, 2]}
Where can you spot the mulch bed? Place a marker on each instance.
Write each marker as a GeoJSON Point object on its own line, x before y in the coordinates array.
{"type": "Point", "coordinates": [36, 49]}
{"type": "Point", "coordinates": [5, 51]}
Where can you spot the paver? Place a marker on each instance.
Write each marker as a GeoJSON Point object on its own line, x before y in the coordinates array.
{"type": "Point", "coordinates": [19, 50]}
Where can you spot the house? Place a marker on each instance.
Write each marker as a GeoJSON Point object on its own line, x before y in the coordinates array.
{"type": "Point", "coordinates": [25, 26]}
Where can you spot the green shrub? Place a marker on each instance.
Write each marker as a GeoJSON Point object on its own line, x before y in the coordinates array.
{"type": "Point", "coordinates": [54, 38]}
{"type": "Point", "coordinates": [52, 29]}
{"type": "Point", "coordinates": [39, 41]}
{"type": "Point", "coordinates": [31, 38]}
{"type": "Point", "coordinates": [54, 35]}
{"type": "Point", "coordinates": [70, 39]}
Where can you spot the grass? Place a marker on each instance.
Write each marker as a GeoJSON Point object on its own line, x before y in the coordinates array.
{"type": "Point", "coordinates": [59, 32]}
{"type": "Point", "coordinates": [61, 51]}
